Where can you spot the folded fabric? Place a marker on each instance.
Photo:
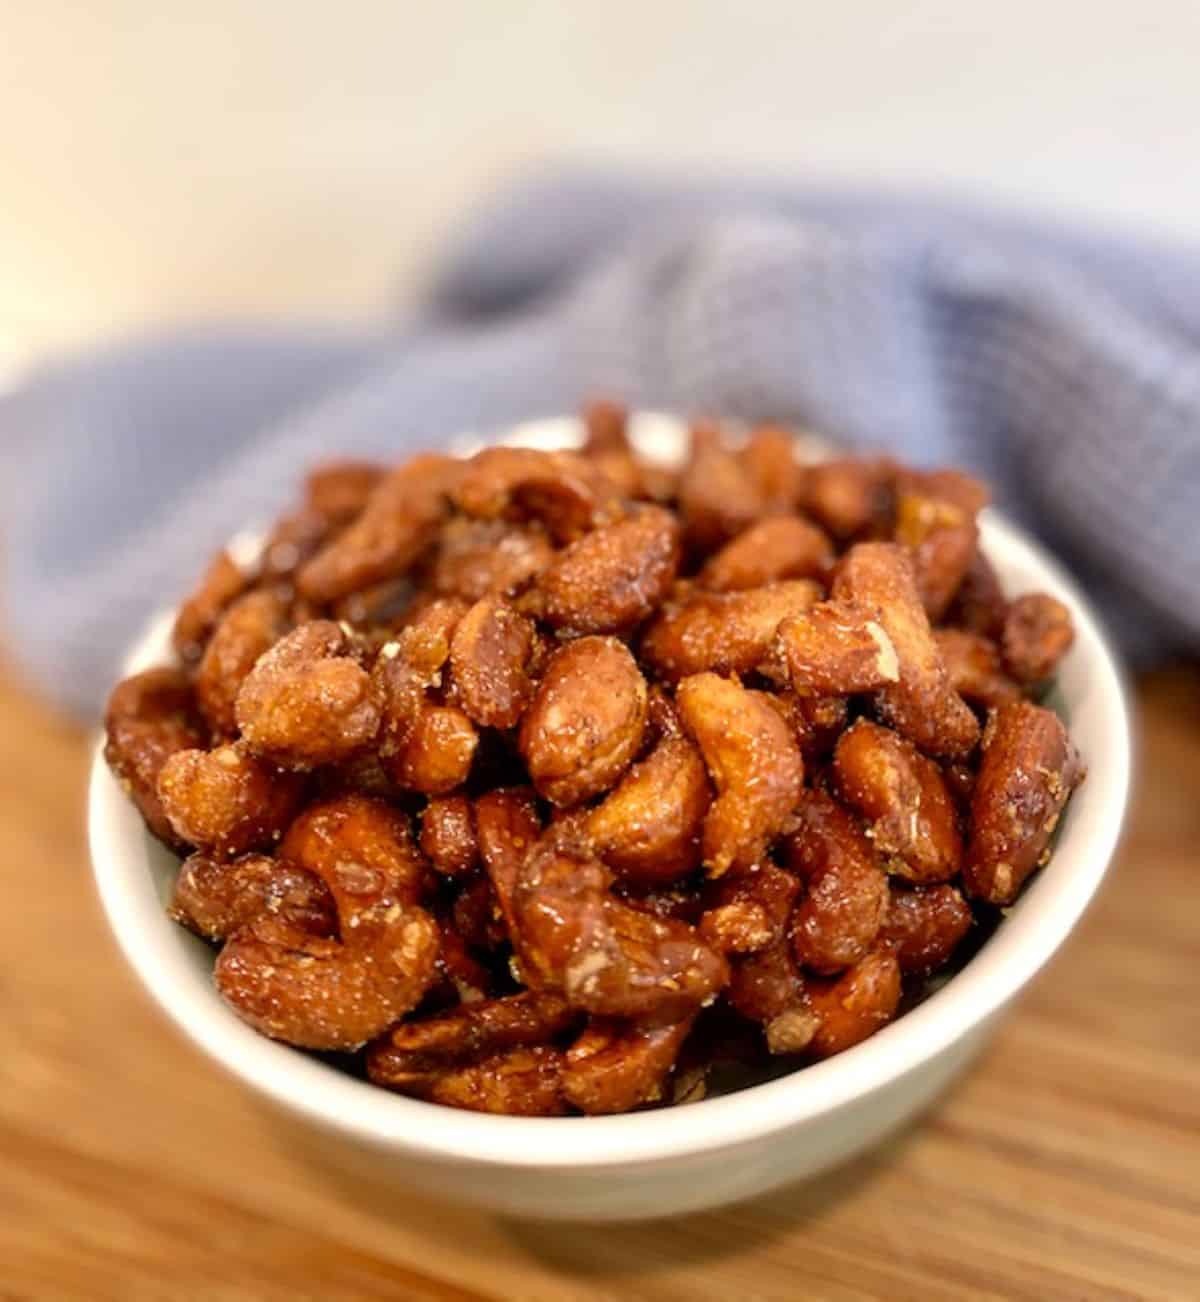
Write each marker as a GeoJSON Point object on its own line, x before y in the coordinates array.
{"type": "Point", "coordinates": [1063, 365]}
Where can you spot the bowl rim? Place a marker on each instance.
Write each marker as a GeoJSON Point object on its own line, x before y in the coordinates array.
{"type": "Point", "coordinates": [1010, 958]}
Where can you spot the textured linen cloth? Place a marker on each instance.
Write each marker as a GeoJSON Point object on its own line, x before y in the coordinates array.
{"type": "Point", "coordinates": [1061, 364]}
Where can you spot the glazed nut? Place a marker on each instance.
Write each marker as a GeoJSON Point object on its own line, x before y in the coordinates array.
{"type": "Point", "coordinates": [1038, 632]}
{"type": "Point", "coordinates": [846, 496]}
{"type": "Point", "coordinates": [490, 656]}
{"type": "Point", "coordinates": [911, 816]}
{"type": "Point", "coordinates": [1029, 769]}
{"type": "Point", "coordinates": [728, 632]}
{"type": "Point", "coordinates": [150, 717]}
{"type": "Point", "coordinates": [214, 899]}
{"type": "Point", "coordinates": [561, 490]}
{"type": "Point", "coordinates": [251, 625]}
{"type": "Point", "coordinates": [837, 649]}
{"type": "Point", "coordinates": [612, 578]}
{"type": "Point", "coordinates": [921, 703]}
{"type": "Point", "coordinates": [223, 581]}
{"type": "Point", "coordinates": [308, 701]}
{"type": "Point", "coordinates": [936, 522]}
{"type": "Point", "coordinates": [769, 460]}
{"type": "Point", "coordinates": [615, 1066]}
{"type": "Point", "coordinates": [780, 547]}
{"type": "Point", "coordinates": [855, 1005]}
{"type": "Point", "coordinates": [508, 826]}
{"type": "Point", "coordinates": [754, 763]}
{"type": "Point", "coordinates": [575, 938]}
{"type": "Point", "coordinates": [836, 922]}
{"type": "Point", "coordinates": [521, 1082]}
{"type": "Point", "coordinates": [648, 830]}
{"type": "Point", "coordinates": [750, 911]}
{"type": "Point", "coordinates": [718, 495]}
{"type": "Point", "coordinates": [472, 1031]}
{"type": "Point", "coordinates": [925, 925]}
{"type": "Point", "coordinates": [322, 993]}
{"type": "Point", "coordinates": [974, 668]}
{"type": "Point", "coordinates": [227, 801]}
{"type": "Point", "coordinates": [397, 523]}
{"type": "Point", "coordinates": [586, 721]}
{"type": "Point", "coordinates": [448, 835]}
{"type": "Point", "coordinates": [439, 753]}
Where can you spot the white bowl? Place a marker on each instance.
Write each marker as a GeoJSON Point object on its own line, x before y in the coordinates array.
{"type": "Point", "coordinates": [676, 1160]}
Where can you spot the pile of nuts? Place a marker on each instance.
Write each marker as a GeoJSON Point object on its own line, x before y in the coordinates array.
{"type": "Point", "coordinates": [545, 781]}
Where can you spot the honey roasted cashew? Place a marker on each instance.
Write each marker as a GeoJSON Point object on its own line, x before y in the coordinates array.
{"type": "Point", "coordinates": [755, 765]}
{"type": "Point", "coordinates": [336, 994]}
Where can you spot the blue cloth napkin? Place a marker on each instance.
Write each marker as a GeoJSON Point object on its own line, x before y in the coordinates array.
{"type": "Point", "coordinates": [1061, 364]}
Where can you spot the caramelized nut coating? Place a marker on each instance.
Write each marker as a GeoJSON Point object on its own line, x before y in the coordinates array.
{"type": "Point", "coordinates": [448, 835]}
{"type": "Point", "coordinates": [749, 911]}
{"type": "Point", "coordinates": [936, 522]}
{"type": "Point", "coordinates": [337, 994]}
{"type": "Point", "coordinates": [478, 557]}
{"type": "Point", "coordinates": [562, 490]}
{"type": "Point", "coordinates": [489, 660]}
{"type": "Point", "coordinates": [980, 605]}
{"type": "Point", "coordinates": [440, 750]}
{"type": "Point", "coordinates": [601, 684]}
{"type": "Point", "coordinates": [461, 978]}
{"type": "Point", "coordinates": [769, 459]}
{"type": "Point", "coordinates": [586, 721]}
{"type": "Point", "coordinates": [973, 664]}
{"type": "Point", "coordinates": [215, 899]}
{"type": "Point", "coordinates": [508, 826]}
{"type": "Point", "coordinates": [248, 629]}
{"type": "Point", "coordinates": [478, 918]}
{"type": "Point", "coordinates": [604, 426]}
{"type": "Point", "coordinates": [769, 989]}
{"type": "Point", "coordinates": [648, 830]}
{"type": "Point", "coordinates": [854, 1005]}
{"type": "Point", "coordinates": [320, 993]}
{"type": "Point", "coordinates": [339, 490]}
{"type": "Point", "coordinates": [222, 582]}
{"type": "Point", "coordinates": [472, 1031]}
{"type": "Point", "coordinates": [755, 765]}
{"type": "Point", "coordinates": [779, 547]}
{"type": "Point", "coordinates": [227, 801]}
{"type": "Point", "coordinates": [846, 896]}
{"type": "Point", "coordinates": [848, 497]}
{"type": "Point", "coordinates": [1038, 632]}
{"type": "Point", "coordinates": [150, 717]}
{"type": "Point", "coordinates": [361, 843]}
{"type": "Point", "coordinates": [575, 938]}
{"type": "Point", "coordinates": [718, 496]}
{"type": "Point", "coordinates": [836, 649]}
{"type": "Point", "coordinates": [924, 926]}
{"type": "Point", "coordinates": [524, 1082]}
{"type": "Point", "coordinates": [821, 720]}
{"type": "Point", "coordinates": [921, 703]}
{"type": "Point", "coordinates": [294, 539]}
{"type": "Point", "coordinates": [901, 793]}
{"type": "Point", "coordinates": [308, 701]}
{"type": "Point", "coordinates": [398, 522]}
{"type": "Point", "coordinates": [615, 1066]}
{"type": "Point", "coordinates": [726, 632]}
{"type": "Point", "coordinates": [407, 667]}
{"type": "Point", "coordinates": [1029, 769]}
{"type": "Point", "coordinates": [612, 578]}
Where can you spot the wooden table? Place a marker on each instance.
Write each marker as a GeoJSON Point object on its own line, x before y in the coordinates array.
{"type": "Point", "coordinates": [1067, 1166]}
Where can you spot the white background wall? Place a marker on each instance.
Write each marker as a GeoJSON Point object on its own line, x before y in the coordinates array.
{"type": "Point", "coordinates": [170, 158]}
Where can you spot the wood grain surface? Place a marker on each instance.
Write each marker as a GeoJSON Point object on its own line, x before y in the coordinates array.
{"type": "Point", "coordinates": [1067, 1165]}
